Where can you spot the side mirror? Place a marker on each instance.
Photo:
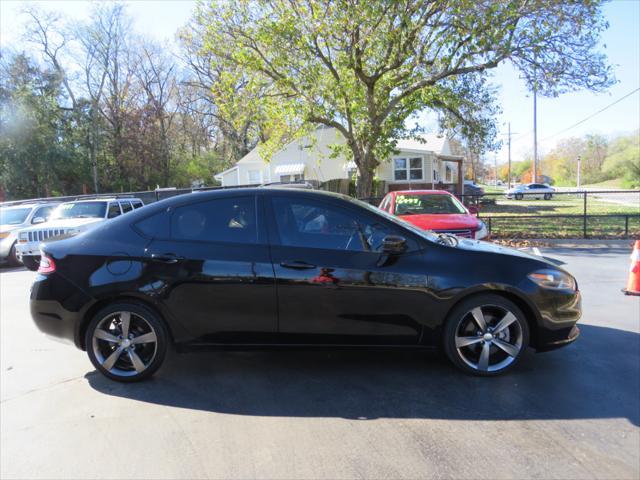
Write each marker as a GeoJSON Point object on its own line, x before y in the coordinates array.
{"type": "Point", "coordinates": [394, 244]}
{"type": "Point", "coordinates": [37, 220]}
{"type": "Point", "coordinates": [473, 210]}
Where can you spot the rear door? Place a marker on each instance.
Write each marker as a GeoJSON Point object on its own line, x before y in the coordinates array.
{"type": "Point", "coordinates": [213, 271]}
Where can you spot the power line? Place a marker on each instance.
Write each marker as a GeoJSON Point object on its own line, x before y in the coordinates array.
{"type": "Point", "coordinates": [591, 116]}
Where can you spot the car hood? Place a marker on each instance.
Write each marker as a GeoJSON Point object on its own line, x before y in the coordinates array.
{"type": "Point", "coordinates": [65, 223]}
{"type": "Point", "coordinates": [488, 247]}
{"type": "Point", "coordinates": [9, 228]}
{"type": "Point", "coordinates": [442, 222]}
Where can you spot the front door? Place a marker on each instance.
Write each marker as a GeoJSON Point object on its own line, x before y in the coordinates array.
{"type": "Point", "coordinates": [332, 286]}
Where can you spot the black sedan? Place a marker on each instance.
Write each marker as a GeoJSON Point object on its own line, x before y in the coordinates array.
{"type": "Point", "coordinates": [248, 268]}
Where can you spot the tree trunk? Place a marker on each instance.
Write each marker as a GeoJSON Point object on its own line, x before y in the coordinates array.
{"type": "Point", "coordinates": [364, 186]}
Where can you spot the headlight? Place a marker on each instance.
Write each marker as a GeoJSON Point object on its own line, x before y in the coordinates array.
{"type": "Point", "coordinates": [481, 232]}
{"type": "Point", "coordinates": [4, 235]}
{"type": "Point", "coordinates": [553, 279]}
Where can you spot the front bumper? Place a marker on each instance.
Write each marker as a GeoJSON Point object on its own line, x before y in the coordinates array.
{"type": "Point", "coordinates": [27, 249]}
{"type": "Point", "coordinates": [559, 322]}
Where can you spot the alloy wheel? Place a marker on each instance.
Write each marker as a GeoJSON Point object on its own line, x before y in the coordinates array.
{"type": "Point", "coordinates": [124, 343]}
{"type": "Point", "coordinates": [489, 338]}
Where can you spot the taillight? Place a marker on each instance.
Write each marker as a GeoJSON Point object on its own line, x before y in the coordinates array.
{"type": "Point", "coordinates": [47, 265]}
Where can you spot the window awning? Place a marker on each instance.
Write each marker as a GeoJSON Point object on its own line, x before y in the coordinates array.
{"type": "Point", "coordinates": [290, 169]}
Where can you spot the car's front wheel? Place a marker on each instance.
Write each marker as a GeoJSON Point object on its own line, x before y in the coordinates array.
{"type": "Point", "coordinates": [12, 259]}
{"type": "Point", "coordinates": [126, 342]}
{"type": "Point", "coordinates": [518, 196]}
{"type": "Point", "coordinates": [486, 335]}
{"type": "Point", "coordinates": [547, 196]}
{"type": "Point", "coordinates": [31, 262]}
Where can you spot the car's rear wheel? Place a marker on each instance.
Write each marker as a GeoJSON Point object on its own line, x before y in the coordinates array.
{"type": "Point", "coordinates": [126, 342]}
{"type": "Point", "coordinates": [486, 335]}
{"type": "Point", "coordinates": [547, 196]}
{"type": "Point", "coordinates": [518, 196]}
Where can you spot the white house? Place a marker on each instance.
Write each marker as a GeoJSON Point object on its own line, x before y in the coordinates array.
{"type": "Point", "coordinates": [423, 164]}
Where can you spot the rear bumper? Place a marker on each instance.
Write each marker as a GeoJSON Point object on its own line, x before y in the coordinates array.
{"type": "Point", "coordinates": [57, 308]}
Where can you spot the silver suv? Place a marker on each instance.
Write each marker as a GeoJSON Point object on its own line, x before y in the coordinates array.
{"type": "Point", "coordinates": [15, 217]}
{"type": "Point", "coordinates": [68, 219]}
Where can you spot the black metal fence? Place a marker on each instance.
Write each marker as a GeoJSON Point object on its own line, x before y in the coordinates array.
{"type": "Point", "coordinates": [562, 214]}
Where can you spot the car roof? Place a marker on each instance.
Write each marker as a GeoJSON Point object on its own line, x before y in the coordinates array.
{"type": "Point", "coordinates": [420, 192]}
{"type": "Point", "coordinates": [30, 205]}
{"type": "Point", "coordinates": [102, 199]}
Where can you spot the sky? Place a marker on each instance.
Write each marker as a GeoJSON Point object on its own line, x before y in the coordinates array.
{"type": "Point", "coordinates": [161, 18]}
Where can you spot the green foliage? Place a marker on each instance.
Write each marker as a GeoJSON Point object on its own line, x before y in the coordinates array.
{"type": "Point", "coordinates": [366, 67]}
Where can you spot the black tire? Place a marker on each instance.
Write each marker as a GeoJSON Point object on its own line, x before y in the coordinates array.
{"type": "Point", "coordinates": [141, 320]}
{"type": "Point", "coordinates": [12, 259]}
{"type": "Point", "coordinates": [32, 262]}
{"type": "Point", "coordinates": [547, 196]}
{"type": "Point", "coordinates": [518, 196]}
{"type": "Point", "coordinates": [515, 335]}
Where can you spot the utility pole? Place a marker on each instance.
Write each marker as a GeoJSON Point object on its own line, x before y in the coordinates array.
{"type": "Point", "coordinates": [495, 169]}
{"type": "Point", "coordinates": [535, 135]}
{"type": "Point", "coordinates": [579, 165]}
{"type": "Point", "coordinates": [509, 172]}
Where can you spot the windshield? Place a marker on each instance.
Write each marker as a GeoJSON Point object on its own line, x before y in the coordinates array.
{"type": "Point", "coordinates": [13, 216]}
{"type": "Point", "coordinates": [419, 204]}
{"type": "Point", "coordinates": [80, 210]}
{"type": "Point", "coordinates": [392, 218]}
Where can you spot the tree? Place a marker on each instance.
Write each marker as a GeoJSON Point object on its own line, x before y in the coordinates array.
{"type": "Point", "coordinates": [365, 67]}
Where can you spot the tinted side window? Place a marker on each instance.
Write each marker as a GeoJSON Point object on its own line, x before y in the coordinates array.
{"type": "Point", "coordinates": [114, 210]}
{"type": "Point", "coordinates": [155, 226]}
{"type": "Point", "coordinates": [310, 224]}
{"type": "Point", "coordinates": [222, 220]}
{"type": "Point", "coordinates": [137, 204]}
{"type": "Point", "coordinates": [126, 207]}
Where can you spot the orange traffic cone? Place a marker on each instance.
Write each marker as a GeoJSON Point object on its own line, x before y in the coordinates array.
{"type": "Point", "coordinates": [633, 285]}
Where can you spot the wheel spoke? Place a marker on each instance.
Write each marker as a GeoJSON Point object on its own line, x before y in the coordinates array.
{"type": "Point", "coordinates": [110, 361]}
{"type": "Point", "coordinates": [125, 318]}
{"type": "Point", "coordinates": [104, 335]}
{"type": "Point", "coordinates": [466, 341]}
{"type": "Point", "coordinates": [483, 363]}
{"type": "Point", "coordinates": [511, 350]}
{"type": "Point", "coordinates": [145, 338]}
{"type": "Point", "coordinates": [507, 320]}
{"type": "Point", "coordinates": [137, 362]}
{"type": "Point", "coordinates": [478, 317]}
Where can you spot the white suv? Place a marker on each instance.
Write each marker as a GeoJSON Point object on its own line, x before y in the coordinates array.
{"type": "Point", "coordinates": [68, 219]}
{"type": "Point", "coordinates": [13, 218]}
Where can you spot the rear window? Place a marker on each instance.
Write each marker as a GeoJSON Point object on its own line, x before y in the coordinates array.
{"type": "Point", "coordinates": [137, 204]}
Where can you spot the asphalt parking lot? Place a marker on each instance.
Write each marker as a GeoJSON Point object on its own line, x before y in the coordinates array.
{"type": "Point", "coordinates": [571, 413]}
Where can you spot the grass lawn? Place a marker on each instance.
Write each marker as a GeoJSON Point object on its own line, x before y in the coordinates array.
{"type": "Point", "coordinates": [558, 205]}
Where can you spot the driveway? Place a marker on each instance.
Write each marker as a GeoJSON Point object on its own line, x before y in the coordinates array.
{"type": "Point", "coordinates": [571, 413]}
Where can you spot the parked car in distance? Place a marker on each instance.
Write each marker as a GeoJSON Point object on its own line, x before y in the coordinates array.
{"type": "Point", "coordinates": [253, 267]}
{"type": "Point", "coordinates": [531, 190]}
{"type": "Point", "coordinates": [69, 218]}
{"type": "Point", "coordinates": [15, 217]}
{"type": "Point", "coordinates": [435, 210]}
{"type": "Point", "coordinates": [471, 188]}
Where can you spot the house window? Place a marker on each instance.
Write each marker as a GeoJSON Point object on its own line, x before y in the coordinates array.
{"type": "Point", "coordinates": [435, 175]}
{"type": "Point", "coordinates": [291, 178]}
{"type": "Point", "coordinates": [447, 174]}
{"type": "Point", "coordinates": [407, 168]}
{"type": "Point", "coordinates": [254, 176]}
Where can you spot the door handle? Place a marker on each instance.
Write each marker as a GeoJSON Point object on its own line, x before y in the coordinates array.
{"type": "Point", "coordinates": [166, 257]}
{"type": "Point", "coordinates": [296, 265]}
